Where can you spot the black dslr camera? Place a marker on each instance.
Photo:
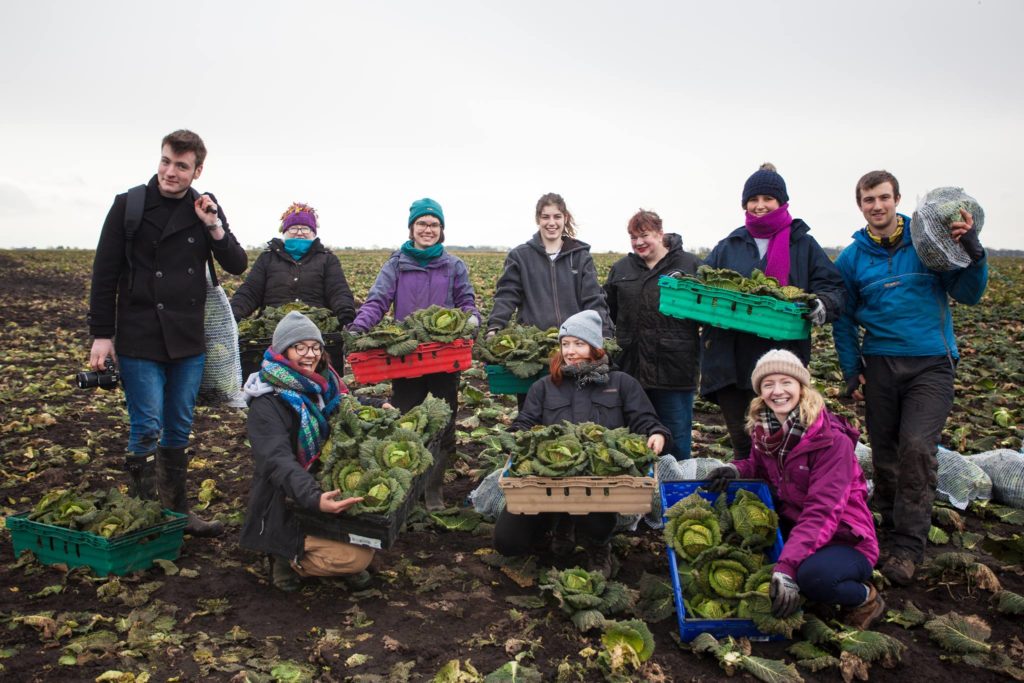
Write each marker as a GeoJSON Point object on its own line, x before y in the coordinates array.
{"type": "Point", "coordinates": [107, 379]}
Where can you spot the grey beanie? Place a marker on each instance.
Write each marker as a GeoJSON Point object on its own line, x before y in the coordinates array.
{"type": "Point", "coordinates": [585, 325]}
{"type": "Point", "coordinates": [292, 329]}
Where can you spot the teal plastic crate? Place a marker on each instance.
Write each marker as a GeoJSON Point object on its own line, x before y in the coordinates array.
{"type": "Point", "coordinates": [689, 628]}
{"type": "Point", "coordinates": [764, 316]}
{"type": "Point", "coordinates": [501, 381]}
{"type": "Point", "coordinates": [121, 555]}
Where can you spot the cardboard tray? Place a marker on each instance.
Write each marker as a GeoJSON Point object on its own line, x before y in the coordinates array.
{"type": "Point", "coordinates": [577, 495]}
{"type": "Point", "coordinates": [370, 367]}
{"type": "Point", "coordinates": [120, 555]}
{"type": "Point", "coordinates": [501, 381]}
{"type": "Point", "coordinates": [689, 628]}
{"type": "Point", "coordinates": [764, 316]}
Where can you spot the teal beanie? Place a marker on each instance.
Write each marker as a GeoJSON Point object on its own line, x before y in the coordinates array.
{"type": "Point", "coordinates": [425, 207]}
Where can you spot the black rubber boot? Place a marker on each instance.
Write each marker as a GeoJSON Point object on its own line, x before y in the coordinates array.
{"type": "Point", "coordinates": [433, 492]}
{"type": "Point", "coordinates": [172, 480]}
{"type": "Point", "coordinates": [141, 469]}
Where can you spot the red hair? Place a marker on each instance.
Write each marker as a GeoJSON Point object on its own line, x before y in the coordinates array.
{"type": "Point", "coordinates": [557, 362]}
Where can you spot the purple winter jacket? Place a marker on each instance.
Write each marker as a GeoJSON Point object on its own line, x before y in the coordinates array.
{"type": "Point", "coordinates": [410, 287]}
{"type": "Point", "coordinates": [820, 488]}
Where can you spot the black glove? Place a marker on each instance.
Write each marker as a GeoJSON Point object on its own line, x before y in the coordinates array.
{"type": "Point", "coordinates": [720, 477]}
{"type": "Point", "coordinates": [785, 595]}
{"type": "Point", "coordinates": [972, 245]}
{"type": "Point", "coordinates": [852, 385]}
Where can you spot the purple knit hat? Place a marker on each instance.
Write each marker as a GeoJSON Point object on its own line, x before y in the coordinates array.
{"type": "Point", "coordinates": [299, 214]}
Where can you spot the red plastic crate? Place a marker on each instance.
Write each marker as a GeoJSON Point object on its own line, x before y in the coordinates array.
{"type": "Point", "coordinates": [371, 367]}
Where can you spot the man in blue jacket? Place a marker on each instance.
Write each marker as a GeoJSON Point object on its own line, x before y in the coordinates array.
{"type": "Point", "coordinates": [905, 365]}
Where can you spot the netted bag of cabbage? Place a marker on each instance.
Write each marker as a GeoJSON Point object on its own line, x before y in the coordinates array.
{"type": "Point", "coordinates": [930, 227]}
{"type": "Point", "coordinates": [488, 499]}
{"type": "Point", "coordinates": [1006, 470]}
{"type": "Point", "coordinates": [960, 479]}
{"type": "Point", "coordinates": [222, 373]}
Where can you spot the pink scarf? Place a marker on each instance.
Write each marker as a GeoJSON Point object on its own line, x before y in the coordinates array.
{"type": "Point", "coordinates": [774, 226]}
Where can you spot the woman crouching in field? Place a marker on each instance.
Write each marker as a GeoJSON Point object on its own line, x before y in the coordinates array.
{"type": "Point", "coordinates": [807, 455]}
{"type": "Point", "coordinates": [580, 388]}
{"type": "Point", "coordinates": [290, 399]}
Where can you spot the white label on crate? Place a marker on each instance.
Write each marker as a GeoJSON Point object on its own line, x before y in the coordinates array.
{"type": "Point", "coordinates": [356, 539]}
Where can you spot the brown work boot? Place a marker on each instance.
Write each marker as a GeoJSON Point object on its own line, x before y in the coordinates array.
{"type": "Point", "coordinates": [866, 614]}
{"type": "Point", "coordinates": [899, 570]}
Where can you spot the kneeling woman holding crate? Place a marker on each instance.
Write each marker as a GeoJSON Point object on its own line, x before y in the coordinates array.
{"type": "Point", "coordinates": [807, 455]}
{"type": "Point", "coordinates": [290, 400]}
{"type": "Point", "coordinates": [580, 388]}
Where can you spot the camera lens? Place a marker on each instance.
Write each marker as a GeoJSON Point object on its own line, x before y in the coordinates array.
{"type": "Point", "coordinates": [87, 380]}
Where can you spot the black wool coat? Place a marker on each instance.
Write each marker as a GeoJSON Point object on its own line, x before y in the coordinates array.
{"type": "Point", "coordinates": [156, 309]}
{"type": "Point", "coordinates": [659, 351]}
{"type": "Point", "coordinates": [317, 279]}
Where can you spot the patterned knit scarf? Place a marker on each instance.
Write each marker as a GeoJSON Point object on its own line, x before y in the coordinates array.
{"type": "Point", "coordinates": [304, 391]}
{"type": "Point", "coordinates": [775, 439]}
{"type": "Point", "coordinates": [893, 239]}
{"type": "Point", "coordinates": [588, 372]}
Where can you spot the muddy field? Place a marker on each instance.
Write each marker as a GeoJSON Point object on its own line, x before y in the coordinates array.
{"type": "Point", "coordinates": [211, 616]}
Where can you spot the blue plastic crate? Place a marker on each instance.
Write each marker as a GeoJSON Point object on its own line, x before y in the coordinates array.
{"type": "Point", "coordinates": [671, 493]}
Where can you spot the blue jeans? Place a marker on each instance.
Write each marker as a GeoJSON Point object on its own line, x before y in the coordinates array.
{"type": "Point", "coordinates": [835, 574]}
{"type": "Point", "coordinates": [675, 410]}
{"type": "Point", "coordinates": [161, 400]}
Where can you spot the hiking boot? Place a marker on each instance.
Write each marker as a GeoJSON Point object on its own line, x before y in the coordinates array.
{"type": "Point", "coordinates": [599, 559]}
{"type": "Point", "coordinates": [898, 570]}
{"type": "Point", "coordinates": [563, 538]}
{"type": "Point", "coordinates": [172, 480]}
{"type": "Point", "coordinates": [282, 576]}
{"type": "Point", "coordinates": [357, 581]}
{"type": "Point", "coordinates": [865, 615]}
{"type": "Point", "coordinates": [433, 491]}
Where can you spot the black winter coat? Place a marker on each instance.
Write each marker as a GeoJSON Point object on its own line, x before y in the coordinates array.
{"type": "Point", "coordinates": [658, 351]}
{"type": "Point", "coordinates": [546, 292]}
{"type": "Point", "coordinates": [270, 526]}
{"type": "Point", "coordinates": [729, 356]}
{"type": "Point", "coordinates": [157, 312]}
{"type": "Point", "coordinates": [619, 403]}
{"type": "Point", "coordinates": [317, 279]}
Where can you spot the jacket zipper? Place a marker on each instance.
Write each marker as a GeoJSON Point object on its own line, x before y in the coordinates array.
{"type": "Point", "coordinates": [554, 289]}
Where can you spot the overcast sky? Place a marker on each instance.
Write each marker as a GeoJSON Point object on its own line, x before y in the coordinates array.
{"type": "Point", "coordinates": [358, 108]}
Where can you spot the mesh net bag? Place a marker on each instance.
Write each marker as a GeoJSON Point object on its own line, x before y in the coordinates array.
{"type": "Point", "coordinates": [864, 460]}
{"type": "Point", "coordinates": [1006, 470]}
{"type": "Point", "coordinates": [222, 374]}
{"type": "Point", "coordinates": [669, 469]}
{"type": "Point", "coordinates": [487, 498]}
{"type": "Point", "coordinates": [961, 480]}
{"type": "Point", "coordinates": [930, 227]}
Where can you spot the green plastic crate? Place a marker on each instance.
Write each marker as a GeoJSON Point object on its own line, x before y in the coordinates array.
{"type": "Point", "coordinates": [122, 555]}
{"type": "Point", "coordinates": [764, 316]}
{"type": "Point", "coordinates": [501, 381]}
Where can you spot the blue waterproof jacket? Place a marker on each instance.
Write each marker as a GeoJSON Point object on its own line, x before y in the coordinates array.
{"type": "Point", "coordinates": [901, 304]}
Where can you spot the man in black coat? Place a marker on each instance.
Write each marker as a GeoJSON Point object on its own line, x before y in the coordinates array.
{"type": "Point", "coordinates": [147, 309]}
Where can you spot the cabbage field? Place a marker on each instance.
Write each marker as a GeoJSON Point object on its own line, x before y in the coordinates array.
{"type": "Point", "coordinates": [442, 606]}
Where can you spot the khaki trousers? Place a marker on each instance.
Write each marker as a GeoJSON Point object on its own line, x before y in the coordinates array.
{"type": "Point", "coordinates": [332, 558]}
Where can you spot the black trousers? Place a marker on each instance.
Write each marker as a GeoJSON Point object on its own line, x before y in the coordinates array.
{"type": "Point", "coordinates": [516, 535]}
{"type": "Point", "coordinates": [735, 403]}
{"type": "Point", "coordinates": [406, 394]}
{"type": "Point", "coordinates": [906, 403]}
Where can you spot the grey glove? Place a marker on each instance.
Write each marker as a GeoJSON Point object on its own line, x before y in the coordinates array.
{"type": "Point", "coordinates": [972, 245]}
{"type": "Point", "coordinates": [816, 313]}
{"type": "Point", "coordinates": [719, 478]}
{"type": "Point", "coordinates": [785, 595]}
{"type": "Point", "coordinates": [472, 323]}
